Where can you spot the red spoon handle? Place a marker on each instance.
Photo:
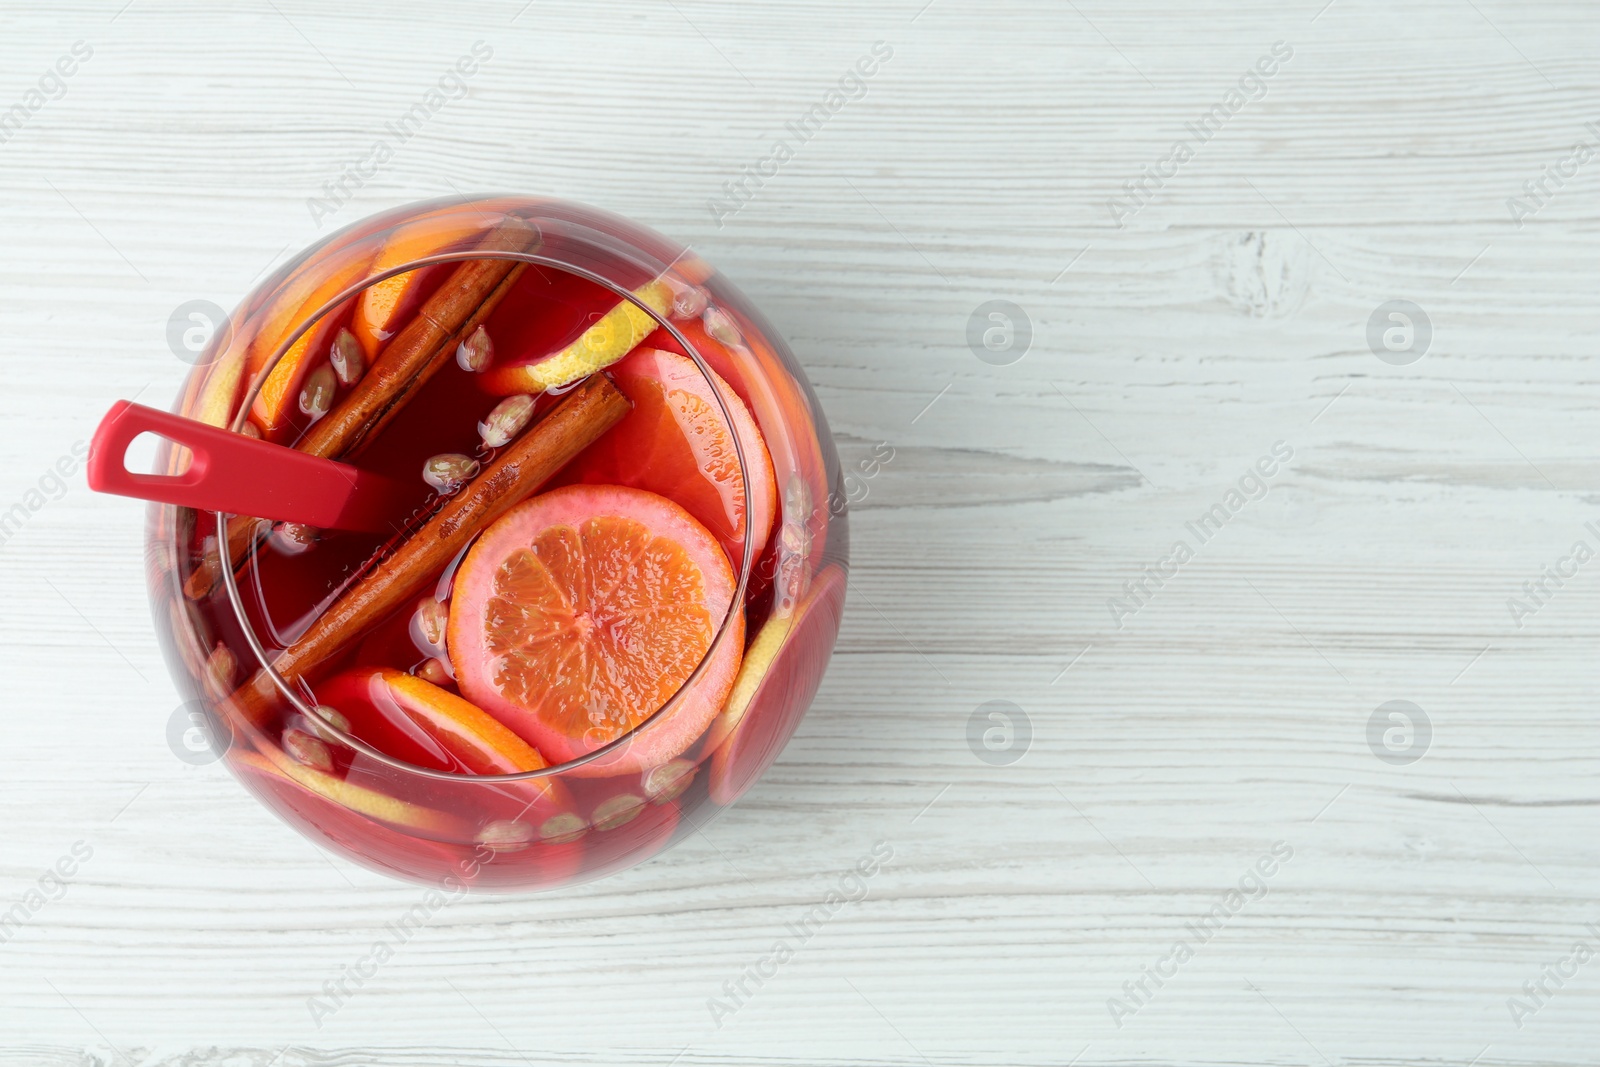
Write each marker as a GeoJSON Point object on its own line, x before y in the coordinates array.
{"type": "Point", "coordinates": [240, 475]}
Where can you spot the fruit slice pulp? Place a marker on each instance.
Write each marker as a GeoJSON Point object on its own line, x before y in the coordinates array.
{"type": "Point", "coordinates": [384, 305]}
{"type": "Point", "coordinates": [414, 720]}
{"type": "Point", "coordinates": [779, 677]}
{"type": "Point", "coordinates": [606, 337]}
{"type": "Point", "coordinates": [578, 614]}
{"type": "Point", "coordinates": [676, 442]}
{"type": "Point", "coordinates": [275, 404]}
{"type": "Point", "coordinates": [274, 767]}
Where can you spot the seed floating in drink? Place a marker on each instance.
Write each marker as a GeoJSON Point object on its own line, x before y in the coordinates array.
{"type": "Point", "coordinates": [429, 622]}
{"type": "Point", "coordinates": [449, 472]}
{"type": "Point", "coordinates": [506, 835]}
{"type": "Point", "coordinates": [794, 539]}
{"type": "Point", "coordinates": [476, 352]}
{"type": "Point", "coordinates": [332, 717]}
{"type": "Point", "coordinates": [316, 396]}
{"type": "Point", "coordinates": [561, 829]}
{"type": "Point", "coordinates": [309, 750]}
{"type": "Point", "coordinates": [346, 358]}
{"type": "Point", "coordinates": [617, 810]}
{"type": "Point", "coordinates": [508, 419]}
{"type": "Point", "coordinates": [292, 538]}
{"type": "Point", "coordinates": [689, 302]}
{"type": "Point", "coordinates": [667, 782]}
{"type": "Point", "coordinates": [434, 671]}
{"type": "Point", "coordinates": [720, 327]}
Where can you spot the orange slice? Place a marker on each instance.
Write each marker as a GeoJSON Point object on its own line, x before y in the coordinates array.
{"type": "Point", "coordinates": [383, 305]}
{"type": "Point", "coordinates": [608, 340]}
{"type": "Point", "coordinates": [218, 392]}
{"type": "Point", "coordinates": [416, 721]}
{"type": "Point", "coordinates": [578, 615]}
{"type": "Point", "coordinates": [277, 401]}
{"type": "Point", "coordinates": [779, 677]}
{"type": "Point", "coordinates": [791, 426]}
{"type": "Point", "coordinates": [675, 442]}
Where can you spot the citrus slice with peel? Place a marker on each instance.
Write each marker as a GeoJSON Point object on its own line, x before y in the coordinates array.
{"type": "Point", "coordinates": [581, 612]}
{"type": "Point", "coordinates": [676, 442]}
{"type": "Point", "coordinates": [275, 766]}
{"type": "Point", "coordinates": [791, 424]}
{"type": "Point", "coordinates": [611, 337]}
{"type": "Point", "coordinates": [779, 677]}
{"type": "Point", "coordinates": [276, 403]}
{"type": "Point", "coordinates": [416, 721]}
{"type": "Point", "coordinates": [383, 305]}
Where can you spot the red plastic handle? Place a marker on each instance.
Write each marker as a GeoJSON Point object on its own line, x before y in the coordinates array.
{"type": "Point", "coordinates": [240, 475]}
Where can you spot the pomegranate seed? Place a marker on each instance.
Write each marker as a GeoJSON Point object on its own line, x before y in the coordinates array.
{"type": "Point", "coordinates": [450, 471]}
{"type": "Point", "coordinates": [476, 352]}
{"type": "Point", "coordinates": [689, 302]}
{"type": "Point", "coordinates": [331, 716]}
{"type": "Point", "coordinates": [293, 538]}
{"type": "Point", "coordinates": [311, 751]}
{"type": "Point", "coordinates": [346, 359]}
{"type": "Point", "coordinates": [506, 835]}
{"type": "Point", "coordinates": [430, 620]}
{"type": "Point", "coordinates": [720, 327]}
{"type": "Point", "coordinates": [316, 397]}
{"type": "Point", "coordinates": [667, 782]}
{"type": "Point", "coordinates": [560, 829]}
{"type": "Point", "coordinates": [223, 666]}
{"type": "Point", "coordinates": [508, 419]}
{"type": "Point", "coordinates": [617, 811]}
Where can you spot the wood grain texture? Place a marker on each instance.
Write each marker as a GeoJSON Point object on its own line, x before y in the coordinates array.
{"type": "Point", "coordinates": [1167, 355]}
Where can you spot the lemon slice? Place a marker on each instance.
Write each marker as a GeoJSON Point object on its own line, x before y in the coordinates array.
{"type": "Point", "coordinates": [616, 334]}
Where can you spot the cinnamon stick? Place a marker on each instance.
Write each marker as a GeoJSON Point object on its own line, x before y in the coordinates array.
{"type": "Point", "coordinates": [567, 429]}
{"type": "Point", "coordinates": [471, 293]}
{"type": "Point", "coordinates": [423, 346]}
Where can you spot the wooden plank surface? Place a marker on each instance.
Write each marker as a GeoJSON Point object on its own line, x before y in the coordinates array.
{"type": "Point", "coordinates": [1170, 748]}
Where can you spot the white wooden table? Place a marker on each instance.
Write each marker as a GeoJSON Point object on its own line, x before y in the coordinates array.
{"type": "Point", "coordinates": [1164, 758]}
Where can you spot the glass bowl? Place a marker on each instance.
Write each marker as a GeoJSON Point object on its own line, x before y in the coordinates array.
{"type": "Point", "coordinates": [565, 267]}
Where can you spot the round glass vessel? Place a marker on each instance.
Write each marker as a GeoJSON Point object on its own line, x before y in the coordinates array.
{"type": "Point", "coordinates": [440, 736]}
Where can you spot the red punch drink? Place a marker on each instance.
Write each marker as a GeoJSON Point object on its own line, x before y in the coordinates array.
{"type": "Point", "coordinates": [610, 585]}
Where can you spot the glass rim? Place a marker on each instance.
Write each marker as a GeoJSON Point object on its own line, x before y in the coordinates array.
{"type": "Point", "coordinates": [724, 629]}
